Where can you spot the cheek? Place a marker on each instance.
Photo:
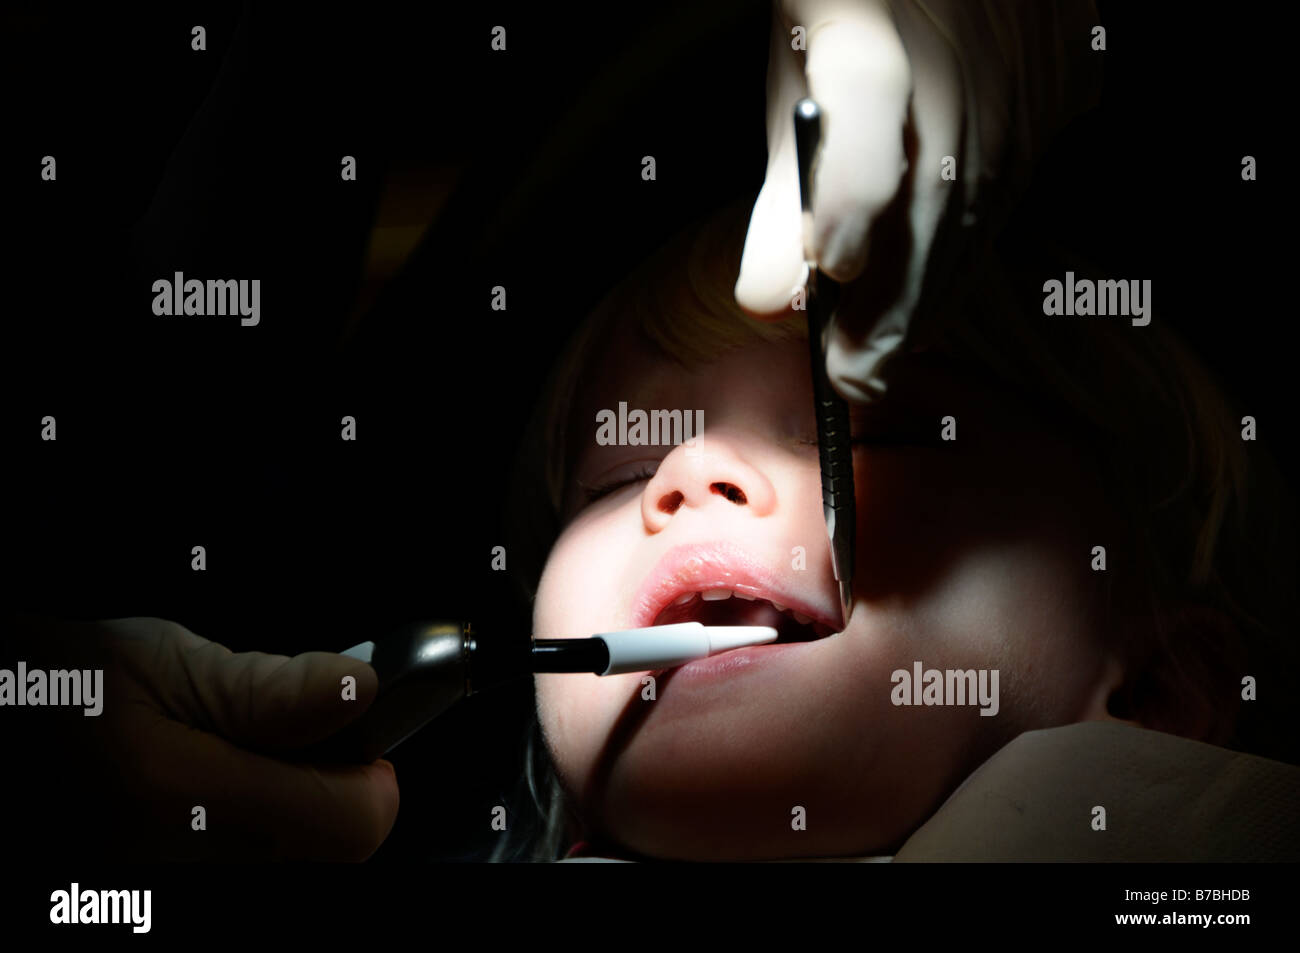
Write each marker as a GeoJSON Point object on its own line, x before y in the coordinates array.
{"type": "Point", "coordinates": [581, 587]}
{"type": "Point", "coordinates": [577, 714]}
{"type": "Point", "coordinates": [1023, 609]}
{"type": "Point", "coordinates": [990, 556]}
{"type": "Point", "coordinates": [581, 592]}
{"type": "Point", "coordinates": [1056, 653]}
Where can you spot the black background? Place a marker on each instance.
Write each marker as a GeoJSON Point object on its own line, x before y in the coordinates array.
{"type": "Point", "coordinates": [181, 431]}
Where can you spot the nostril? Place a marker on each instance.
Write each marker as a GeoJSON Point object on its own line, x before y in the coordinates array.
{"type": "Point", "coordinates": [671, 502]}
{"type": "Point", "coordinates": [732, 492]}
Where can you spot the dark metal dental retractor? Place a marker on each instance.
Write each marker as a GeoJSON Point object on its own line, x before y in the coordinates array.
{"type": "Point", "coordinates": [834, 435]}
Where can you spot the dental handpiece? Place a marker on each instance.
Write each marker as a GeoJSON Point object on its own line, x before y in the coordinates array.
{"type": "Point", "coordinates": [427, 667]}
{"type": "Point", "coordinates": [834, 434]}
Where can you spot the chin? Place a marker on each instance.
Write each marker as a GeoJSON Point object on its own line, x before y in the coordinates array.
{"type": "Point", "coordinates": [739, 817]}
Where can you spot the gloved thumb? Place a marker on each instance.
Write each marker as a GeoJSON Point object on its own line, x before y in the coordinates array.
{"type": "Point", "coordinates": [261, 701]}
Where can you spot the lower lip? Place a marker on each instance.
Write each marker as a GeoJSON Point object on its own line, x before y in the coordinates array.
{"type": "Point", "coordinates": [738, 661]}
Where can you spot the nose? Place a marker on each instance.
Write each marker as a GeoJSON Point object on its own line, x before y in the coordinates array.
{"type": "Point", "coordinates": [713, 473]}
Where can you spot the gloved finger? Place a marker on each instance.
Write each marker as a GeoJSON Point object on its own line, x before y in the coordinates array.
{"type": "Point", "coordinates": [254, 806]}
{"type": "Point", "coordinates": [857, 69]}
{"type": "Point", "coordinates": [861, 342]}
{"type": "Point", "coordinates": [772, 264]}
{"type": "Point", "coordinates": [855, 363]}
{"type": "Point", "coordinates": [253, 699]}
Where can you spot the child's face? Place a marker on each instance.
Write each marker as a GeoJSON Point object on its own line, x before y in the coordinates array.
{"type": "Point", "coordinates": [971, 554]}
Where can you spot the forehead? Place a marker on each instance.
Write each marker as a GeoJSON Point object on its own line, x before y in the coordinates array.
{"type": "Point", "coordinates": [629, 366]}
{"type": "Point", "coordinates": [924, 389]}
{"type": "Point", "coordinates": [625, 365]}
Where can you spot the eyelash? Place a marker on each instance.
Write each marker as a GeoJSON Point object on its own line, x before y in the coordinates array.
{"type": "Point", "coordinates": [593, 493]}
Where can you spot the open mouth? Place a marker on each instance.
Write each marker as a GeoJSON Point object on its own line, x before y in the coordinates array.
{"type": "Point", "coordinates": [725, 607]}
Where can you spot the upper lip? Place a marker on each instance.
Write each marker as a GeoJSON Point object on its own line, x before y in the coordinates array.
{"type": "Point", "coordinates": [699, 568]}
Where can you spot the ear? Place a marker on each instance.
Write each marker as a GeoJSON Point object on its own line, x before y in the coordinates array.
{"type": "Point", "coordinates": [1183, 677]}
{"type": "Point", "coordinates": [1110, 682]}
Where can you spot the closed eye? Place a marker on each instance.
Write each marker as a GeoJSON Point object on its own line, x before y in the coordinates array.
{"type": "Point", "coordinates": [593, 492]}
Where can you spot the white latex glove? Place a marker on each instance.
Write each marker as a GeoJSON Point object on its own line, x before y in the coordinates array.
{"type": "Point", "coordinates": [984, 81]}
{"type": "Point", "coordinates": [187, 722]}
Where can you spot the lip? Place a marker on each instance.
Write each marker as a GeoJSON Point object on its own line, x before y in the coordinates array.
{"type": "Point", "coordinates": [727, 665]}
{"type": "Point", "coordinates": [700, 567]}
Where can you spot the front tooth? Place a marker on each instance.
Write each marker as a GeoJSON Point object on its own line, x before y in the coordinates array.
{"type": "Point", "coordinates": [800, 618]}
{"type": "Point", "coordinates": [778, 607]}
{"type": "Point", "coordinates": [715, 595]}
{"type": "Point", "coordinates": [744, 595]}
{"type": "Point", "coordinates": [684, 598]}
